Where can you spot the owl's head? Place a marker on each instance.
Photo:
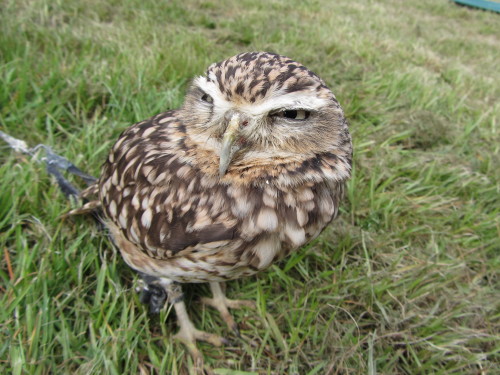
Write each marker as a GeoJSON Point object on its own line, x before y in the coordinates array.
{"type": "Point", "coordinates": [261, 112]}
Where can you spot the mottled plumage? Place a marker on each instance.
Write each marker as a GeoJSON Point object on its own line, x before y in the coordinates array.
{"type": "Point", "coordinates": [249, 169]}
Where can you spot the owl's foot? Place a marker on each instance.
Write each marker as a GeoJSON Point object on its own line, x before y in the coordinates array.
{"type": "Point", "coordinates": [188, 335]}
{"type": "Point", "coordinates": [155, 291]}
{"type": "Point", "coordinates": [220, 302]}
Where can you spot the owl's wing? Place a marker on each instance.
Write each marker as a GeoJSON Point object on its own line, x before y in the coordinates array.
{"type": "Point", "coordinates": [159, 202]}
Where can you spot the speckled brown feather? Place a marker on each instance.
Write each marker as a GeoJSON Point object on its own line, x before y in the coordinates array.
{"type": "Point", "coordinates": [170, 212]}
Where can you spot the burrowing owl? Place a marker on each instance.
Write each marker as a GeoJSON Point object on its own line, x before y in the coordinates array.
{"type": "Point", "coordinates": [249, 169]}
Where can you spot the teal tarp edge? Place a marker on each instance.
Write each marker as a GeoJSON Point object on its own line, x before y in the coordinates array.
{"type": "Point", "coordinates": [490, 5]}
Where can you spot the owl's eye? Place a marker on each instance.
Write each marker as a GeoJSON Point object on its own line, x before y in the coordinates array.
{"type": "Point", "coordinates": [293, 114]}
{"type": "Point", "coordinates": [207, 98]}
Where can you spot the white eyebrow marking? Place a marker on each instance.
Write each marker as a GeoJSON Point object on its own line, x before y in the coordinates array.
{"type": "Point", "coordinates": [305, 99]}
{"type": "Point", "coordinates": [295, 100]}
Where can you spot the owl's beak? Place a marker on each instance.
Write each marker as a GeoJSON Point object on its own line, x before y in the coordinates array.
{"type": "Point", "coordinates": [229, 146]}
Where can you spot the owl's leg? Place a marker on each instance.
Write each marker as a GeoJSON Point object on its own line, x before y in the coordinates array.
{"type": "Point", "coordinates": [188, 333]}
{"type": "Point", "coordinates": [220, 302]}
{"type": "Point", "coordinates": [155, 293]}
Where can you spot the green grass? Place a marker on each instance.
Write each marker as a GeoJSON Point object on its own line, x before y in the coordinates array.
{"type": "Point", "coordinates": [405, 282]}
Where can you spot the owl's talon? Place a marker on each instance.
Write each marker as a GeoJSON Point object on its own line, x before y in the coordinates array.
{"type": "Point", "coordinates": [239, 303]}
{"type": "Point", "coordinates": [199, 367]}
{"type": "Point", "coordinates": [189, 335]}
{"type": "Point", "coordinates": [189, 338]}
{"type": "Point", "coordinates": [236, 331]}
{"type": "Point", "coordinates": [220, 302]}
